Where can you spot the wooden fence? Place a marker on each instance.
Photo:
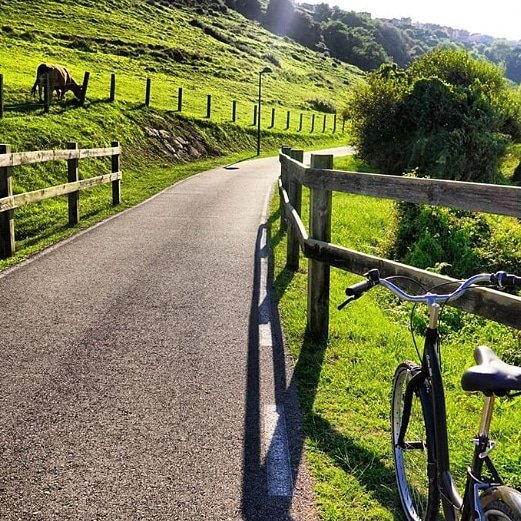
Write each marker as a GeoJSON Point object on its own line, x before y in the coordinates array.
{"type": "Point", "coordinates": [329, 120]}
{"type": "Point", "coordinates": [321, 254]}
{"type": "Point", "coordinates": [9, 202]}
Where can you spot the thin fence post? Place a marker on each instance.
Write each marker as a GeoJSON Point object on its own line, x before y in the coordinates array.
{"type": "Point", "coordinates": [234, 111]}
{"type": "Point", "coordinates": [46, 93]}
{"type": "Point", "coordinates": [86, 78]}
{"type": "Point", "coordinates": [7, 243]}
{"type": "Point", "coordinates": [112, 96]}
{"type": "Point", "coordinates": [319, 272]}
{"type": "Point", "coordinates": [74, 197]}
{"type": "Point", "coordinates": [288, 117]}
{"type": "Point", "coordinates": [116, 183]}
{"type": "Point", "coordinates": [295, 199]}
{"type": "Point", "coordinates": [272, 117]}
{"type": "Point", "coordinates": [286, 150]}
{"type": "Point", "coordinates": [1, 95]}
{"type": "Point", "coordinates": [300, 122]}
{"type": "Point", "coordinates": [147, 92]}
{"type": "Point", "coordinates": [334, 124]}
{"type": "Point", "coordinates": [324, 124]}
{"type": "Point", "coordinates": [312, 123]}
{"type": "Point", "coordinates": [180, 99]}
{"type": "Point", "coordinates": [254, 115]}
{"type": "Point", "coordinates": [343, 125]}
{"type": "Point", "coordinates": [208, 106]}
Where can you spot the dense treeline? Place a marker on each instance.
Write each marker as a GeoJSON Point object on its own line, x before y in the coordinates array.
{"type": "Point", "coordinates": [361, 40]}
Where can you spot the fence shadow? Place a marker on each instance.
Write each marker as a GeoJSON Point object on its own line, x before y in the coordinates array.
{"type": "Point", "coordinates": [366, 466]}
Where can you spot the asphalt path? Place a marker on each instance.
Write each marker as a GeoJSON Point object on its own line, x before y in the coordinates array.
{"type": "Point", "coordinates": [143, 373]}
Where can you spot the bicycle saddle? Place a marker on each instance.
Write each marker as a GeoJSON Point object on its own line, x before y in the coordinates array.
{"type": "Point", "coordinates": [491, 375]}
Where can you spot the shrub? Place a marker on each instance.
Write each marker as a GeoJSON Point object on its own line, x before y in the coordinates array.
{"type": "Point", "coordinates": [322, 105]}
{"type": "Point", "coordinates": [461, 242]}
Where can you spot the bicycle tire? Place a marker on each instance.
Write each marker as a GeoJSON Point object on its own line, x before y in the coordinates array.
{"type": "Point", "coordinates": [500, 511]}
{"type": "Point", "coordinates": [414, 461]}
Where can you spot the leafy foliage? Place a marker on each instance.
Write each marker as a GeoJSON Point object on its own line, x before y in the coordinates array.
{"type": "Point", "coordinates": [447, 116]}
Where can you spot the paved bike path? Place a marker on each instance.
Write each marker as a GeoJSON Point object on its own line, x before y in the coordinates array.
{"type": "Point", "coordinates": [136, 383]}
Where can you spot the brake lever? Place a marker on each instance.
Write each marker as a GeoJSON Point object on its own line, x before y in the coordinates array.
{"type": "Point", "coordinates": [345, 303]}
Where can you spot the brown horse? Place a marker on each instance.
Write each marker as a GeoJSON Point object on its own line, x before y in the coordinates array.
{"type": "Point", "coordinates": [59, 79]}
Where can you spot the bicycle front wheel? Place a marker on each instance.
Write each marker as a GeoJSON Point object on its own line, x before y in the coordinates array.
{"type": "Point", "coordinates": [499, 511]}
{"type": "Point", "coordinates": [414, 460]}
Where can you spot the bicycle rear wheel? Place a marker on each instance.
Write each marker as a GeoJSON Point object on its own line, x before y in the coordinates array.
{"type": "Point", "coordinates": [414, 461]}
{"type": "Point", "coordinates": [499, 511]}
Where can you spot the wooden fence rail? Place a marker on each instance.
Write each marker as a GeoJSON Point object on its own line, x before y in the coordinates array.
{"type": "Point", "coordinates": [9, 201]}
{"type": "Point", "coordinates": [321, 254]}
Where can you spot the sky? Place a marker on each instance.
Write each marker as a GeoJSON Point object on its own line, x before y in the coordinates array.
{"type": "Point", "coordinates": [498, 18]}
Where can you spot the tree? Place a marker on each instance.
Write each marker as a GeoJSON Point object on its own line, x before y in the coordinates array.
{"type": "Point", "coordinates": [249, 8]}
{"type": "Point", "coordinates": [279, 15]}
{"type": "Point", "coordinates": [322, 13]}
{"type": "Point", "coordinates": [304, 30]}
{"type": "Point", "coordinates": [447, 116]}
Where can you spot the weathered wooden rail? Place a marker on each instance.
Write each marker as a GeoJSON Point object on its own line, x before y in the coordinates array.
{"type": "Point", "coordinates": [9, 201]}
{"type": "Point", "coordinates": [321, 254]}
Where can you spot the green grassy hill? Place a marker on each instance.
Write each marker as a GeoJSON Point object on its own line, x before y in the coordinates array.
{"type": "Point", "coordinates": [203, 51]}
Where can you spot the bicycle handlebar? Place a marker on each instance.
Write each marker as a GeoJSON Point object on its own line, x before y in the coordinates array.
{"type": "Point", "coordinates": [501, 279]}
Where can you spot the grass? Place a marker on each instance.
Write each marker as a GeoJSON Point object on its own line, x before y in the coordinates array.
{"type": "Point", "coordinates": [202, 52]}
{"type": "Point", "coordinates": [344, 384]}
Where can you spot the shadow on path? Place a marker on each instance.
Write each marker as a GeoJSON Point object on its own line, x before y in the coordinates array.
{"type": "Point", "coordinates": [365, 465]}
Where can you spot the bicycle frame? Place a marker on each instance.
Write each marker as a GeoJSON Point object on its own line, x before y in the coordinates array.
{"type": "Point", "coordinates": [479, 492]}
{"type": "Point", "coordinates": [476, 489]}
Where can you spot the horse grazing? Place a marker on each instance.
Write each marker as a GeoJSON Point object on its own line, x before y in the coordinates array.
{"type": "Point", "coordinates": [59, 79]}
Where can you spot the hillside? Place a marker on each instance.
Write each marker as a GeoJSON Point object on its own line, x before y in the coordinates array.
{"type": "Point", "coordinates": [203, 50]}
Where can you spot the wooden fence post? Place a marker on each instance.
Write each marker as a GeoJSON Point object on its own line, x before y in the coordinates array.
{"type": "Point", "coordinates": [234, 111]}
{"type": "Point", "coordinates": [334, 124]}
{"type": "Point", "coordinates": [116, 183]}
{"type": "Point", "coordinates": [46, 93]}
{"type": "Point", "coordinates": [254, 115]}
{"type": "Point", "coordinates": [324, 124]}
{"type": "Point", "coordinates": [343, 125]}
{"type": "Point", "coordinates": [1, 95]}
{"type": "Point", "coordinates": [180, 99]}
{"type": "Point", "coordinates": [286, 150]}
{"type": "Point", "coordinates": [112, 96]}
{"type": "Point", "coordinates": [86, 78]}
{"type": "Point", "coordinates": [288, 116]}
{"type": "Point", "coordinates": [300, 122]}
{"type": "Point", "coordinates": [295, 198]}
{"type": "Point", "coordinates": [147, 92]}
{"type": "Point", "coordinates": [74, 197]}
{"type": "Point", "coordinates": [272, 117]}
{"type": "Point", "coordinates": [7, 244]}
{"type": "Point", "coordinates": [312, 123]}
{"type": "Point", "coordinates": [319, 272]}
{"type": "Point", "coordinates": [208, 106]}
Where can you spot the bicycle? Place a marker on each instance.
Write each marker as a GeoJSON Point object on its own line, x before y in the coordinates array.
{"type": "Point", "coordinates": [419, 422]}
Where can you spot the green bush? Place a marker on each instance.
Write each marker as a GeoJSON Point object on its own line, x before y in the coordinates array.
{"type": "Point", "coordinates": [447, 116]}
{"type": "Point", "coordinates": [457, 242]}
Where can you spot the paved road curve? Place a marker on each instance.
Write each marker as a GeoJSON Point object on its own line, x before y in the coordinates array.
{"type": "Point", "coordinates": [136, 383]}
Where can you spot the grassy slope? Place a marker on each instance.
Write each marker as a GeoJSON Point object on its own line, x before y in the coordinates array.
{"type": "Point", "coordinates": [344, 386]}
{"type": "Point", "coordinates": [136, 40]}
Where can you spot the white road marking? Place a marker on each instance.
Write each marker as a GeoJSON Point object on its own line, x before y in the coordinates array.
{"type": "Point", "coordinates": [278, 467]}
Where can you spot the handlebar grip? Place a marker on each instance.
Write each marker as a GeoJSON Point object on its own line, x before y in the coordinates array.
{"type": "Point", "coordinates": [504, 279]}
{"type": "Point", "coordinates": [359, 288]}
